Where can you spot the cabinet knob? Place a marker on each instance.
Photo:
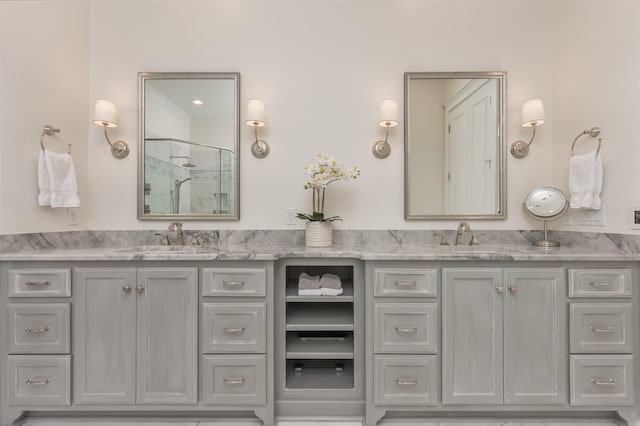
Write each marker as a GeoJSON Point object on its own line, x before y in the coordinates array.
{"type": "Point", "coordinates": [500, 289]}
{"type": "Point", "coordinates": [140, 289]}
{"type": "Point", "coordinates": [513, 289]}
{"type": "Point", "coordinates": [126, 289]}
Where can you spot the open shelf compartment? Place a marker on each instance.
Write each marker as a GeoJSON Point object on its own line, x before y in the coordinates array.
{"type": "Point", "coordinates": [319, 345]}
{"type": "Point", "coordinates": [320, 374]}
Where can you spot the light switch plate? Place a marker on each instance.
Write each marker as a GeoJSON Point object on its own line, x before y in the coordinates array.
{"type": "Point", "coordinates": [72, 216]}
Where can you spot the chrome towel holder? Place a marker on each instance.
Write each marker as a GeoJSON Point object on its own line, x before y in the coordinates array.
{"type": "Point", "coordinates": [593, 132]}
{"type": "Point", "coordinates": [49, 130]}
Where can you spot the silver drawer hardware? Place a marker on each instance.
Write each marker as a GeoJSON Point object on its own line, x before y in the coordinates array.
{"type": "Point", "coordinates": [37, 283]}
{"type": "Point", "coordinates": [603, 382]}
{"type": "Point", "coordinates": [38, 382]}
{"type": "Point", "coordinates": [402, 381]}
{"type": "Point", "coordinates": [233, 284]}
{"type": "Point", "coordinates": [234, 380]}
{"type": "Point", "coordinates": [140, 289]}
{"type": "Point", "coordinates": [500, 289]}
{"type": "Point", "coordinates": [406, 284]}
{"type": "Point", "coordinates": [233, 330]}
{"type": "Point", "coordinates": [32, 330]}
{"type": "Point", "coordinates": [602, 283]}
{"type": "Point", "coordinates": [513, 289]}
{"type": "Point", "coordinates": [602, 329]}
{"type": "Point", "coordinates": [126, 289]}
{"type": "Point", "coordinates": [406, 329]}
{"type": "Point", "coordinates": [322, 338]}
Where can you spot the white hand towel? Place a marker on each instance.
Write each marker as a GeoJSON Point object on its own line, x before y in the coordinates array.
{"type": "Point", "coordinates": [44, 197]}
{"type": "Point", "coordinates": [309, 292]}
{"type": "Point", "coordinates": [585, 181]}
{"type": "Point", "coordinates": [62, 179]}
{"type": "Point", "coordinates": [306, 281]}
{"type": "Point", "coordinates": [331, 291]}
{"type": "Point", "coordinates": [330, 281]}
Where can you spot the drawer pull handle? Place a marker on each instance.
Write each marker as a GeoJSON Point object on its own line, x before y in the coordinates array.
{"type": "Point", "coordinates": [403, 381]}
{"type": "Point", "coordinates": [234, 380]}
{"type": "Point", "coordinates": [232, 284]}
{"type": "Point", "coordinates": [406, 329]}
{"type": "Point", "coordinates": [38, 382]}
{"type": "Point", "coordinates": [602, 329]}
{"type": "Point", "coordinates": [602, 283]}
{"type": "Point", "coordinates": [32, 330]}
{"type": "Point", "coordinates": [405, 284]}
{"type": "Point", "coordinates": [603, 382]}
{"type": "Point", "coordinates": [233, 330]}
{"type": "Point", "coordinates": [37, 283]}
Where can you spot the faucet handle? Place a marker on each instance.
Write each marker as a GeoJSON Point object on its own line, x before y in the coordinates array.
{"type": "Point", "coordinates": [199, 239]}
{"type": "Point", "coordinates": [165, 239]}
{"type": "Point", "coordinates": [474, 239]}
{"type": "Point", "coordinates": [443, 238]}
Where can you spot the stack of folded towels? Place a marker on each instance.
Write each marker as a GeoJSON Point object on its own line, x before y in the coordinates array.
{"type": "Point", "coordinates": [327, 285]}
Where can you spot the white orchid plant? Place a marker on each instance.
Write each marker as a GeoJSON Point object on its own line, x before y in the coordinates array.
{"type": "Point", "coordinates": [324, 170]}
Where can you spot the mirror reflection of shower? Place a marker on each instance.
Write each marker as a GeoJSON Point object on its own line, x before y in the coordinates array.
{"type": "Point", "coordinates": [207, 171]}
{"type": "Point", "coordinates": [175, 199]}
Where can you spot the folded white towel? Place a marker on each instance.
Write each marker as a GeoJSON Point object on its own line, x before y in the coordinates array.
{"type": "Point", "coordinates": [309, 292]}
{"type": "Point", "coordinates": [585, 181]}
{"type": "Point", "coordinates": [62, 189]}
{"type": "Point", "coordinates": [306, 281]}
{"type": "Point", "coordinates": [331, 291]}
{"type": "Point", "coordinates": [330, 281]}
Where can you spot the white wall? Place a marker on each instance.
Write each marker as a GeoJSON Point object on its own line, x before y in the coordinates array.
{"type": "Point", "coordinates": [322, 67]}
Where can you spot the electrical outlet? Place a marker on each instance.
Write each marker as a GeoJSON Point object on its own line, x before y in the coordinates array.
{"type": "Point", "coordinates": [634, 217]}
{"type": "Point", "coordinates": [567, 219]}
{"type": "Point", "coordinates": [592, 217]}
{"type": "Point", "coordinates": [72, 216]}
{"type": "Point", "coordinates": [290, 216]}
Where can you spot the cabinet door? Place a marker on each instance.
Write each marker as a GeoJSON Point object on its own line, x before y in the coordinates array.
{"type": "Point", "coordinates": [535, 334]}
{"type": "Point", "coordinates": [104, 336]}
{"type": "Point", "coordinates": [472, 336]}
{"type": "Point", "coordinates": [167, 329]}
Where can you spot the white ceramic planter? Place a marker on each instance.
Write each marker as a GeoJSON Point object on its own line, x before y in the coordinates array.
{"type": "Point", "coordinates": [318, 234]}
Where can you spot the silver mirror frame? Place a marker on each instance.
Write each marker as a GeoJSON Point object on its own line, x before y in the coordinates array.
{"type": "Point", "coordinates": [142, 78]}
{"type": "Point", "coordinates": [501, 77]}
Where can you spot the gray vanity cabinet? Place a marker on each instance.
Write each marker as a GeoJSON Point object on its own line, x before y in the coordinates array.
{"type": "Point", "coordinates": [135, 336]}
{"type": "Point", "coordinates": [504, 338]}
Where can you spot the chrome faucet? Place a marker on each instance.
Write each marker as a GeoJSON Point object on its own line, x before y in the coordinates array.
{"type": "Point", "coordinates": [462, 228]}
{"type": "Point", "coordinates": [177, 226]}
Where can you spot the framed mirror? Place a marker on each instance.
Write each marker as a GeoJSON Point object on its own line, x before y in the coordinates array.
{"type": "Point", "coordinates": [188, 146]}
{"type": "Point", "coordinates": [455, 145]}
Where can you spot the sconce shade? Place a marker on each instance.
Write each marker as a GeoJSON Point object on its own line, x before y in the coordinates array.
{"type": "Point", "coordinates": [105, 114]}
{"type": "Point", "coordinates": [388, 113]}
{"type": "Point", "coordinates": [533, 113]}
{"type": "Point", "coordinates": [255, 113]}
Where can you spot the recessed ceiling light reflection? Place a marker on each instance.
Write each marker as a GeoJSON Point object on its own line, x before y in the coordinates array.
{"type": "Point", "coordinates": [197, 102]}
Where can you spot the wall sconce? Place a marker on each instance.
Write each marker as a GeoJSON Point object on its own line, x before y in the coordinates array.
{"type": "Point", "coordinates": [388, 119]}
{"type": "Point", "coordinates": [106, 115]}
{"type": "Point", "coordinates": [532, 116]}
{"type": "Point", "coordinates": [255, 119]}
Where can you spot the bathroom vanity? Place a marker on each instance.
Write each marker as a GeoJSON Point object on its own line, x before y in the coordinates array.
{"type": "Point", "coordinates": [418, 331]}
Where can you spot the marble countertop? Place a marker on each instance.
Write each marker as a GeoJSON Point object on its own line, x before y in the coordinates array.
{"type": "Point", "coordinates": [273, 245]}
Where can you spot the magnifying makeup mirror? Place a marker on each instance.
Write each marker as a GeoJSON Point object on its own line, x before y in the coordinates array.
{"type": "Point", "coordinates": [545, 204]}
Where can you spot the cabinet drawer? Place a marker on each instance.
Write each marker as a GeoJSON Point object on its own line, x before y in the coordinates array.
{"type": "Point", "coordinates": [401, 380]}
{"type": "Point", "coordinates": [601, 328]}
{"type": "Point", "coordinates": [602, 380]}
{"type": "Point", "coordinates": [38, 328]}
{"type": "Point", "coordinates": [405, 282]}
{"type": "Point", "coordinates": [234, 380]}
{"type": "Point", "coordinates": [234, 327]}
{"type": "Point", "coordinates": [406, 328]}
{"type": "Point", "coordinates": [39, 283]}
{"type": "Point", "coordinates": [234, 282]}
{"type": "Point", "coordinates": [38, 380]}
{"type": "Point", "coordinates": [599, 283]}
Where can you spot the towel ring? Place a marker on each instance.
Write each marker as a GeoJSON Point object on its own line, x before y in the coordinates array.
{"type": "Point", "coordinates": [593, 132]}
{"type": "Point", "coordinates": [49, 131]}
